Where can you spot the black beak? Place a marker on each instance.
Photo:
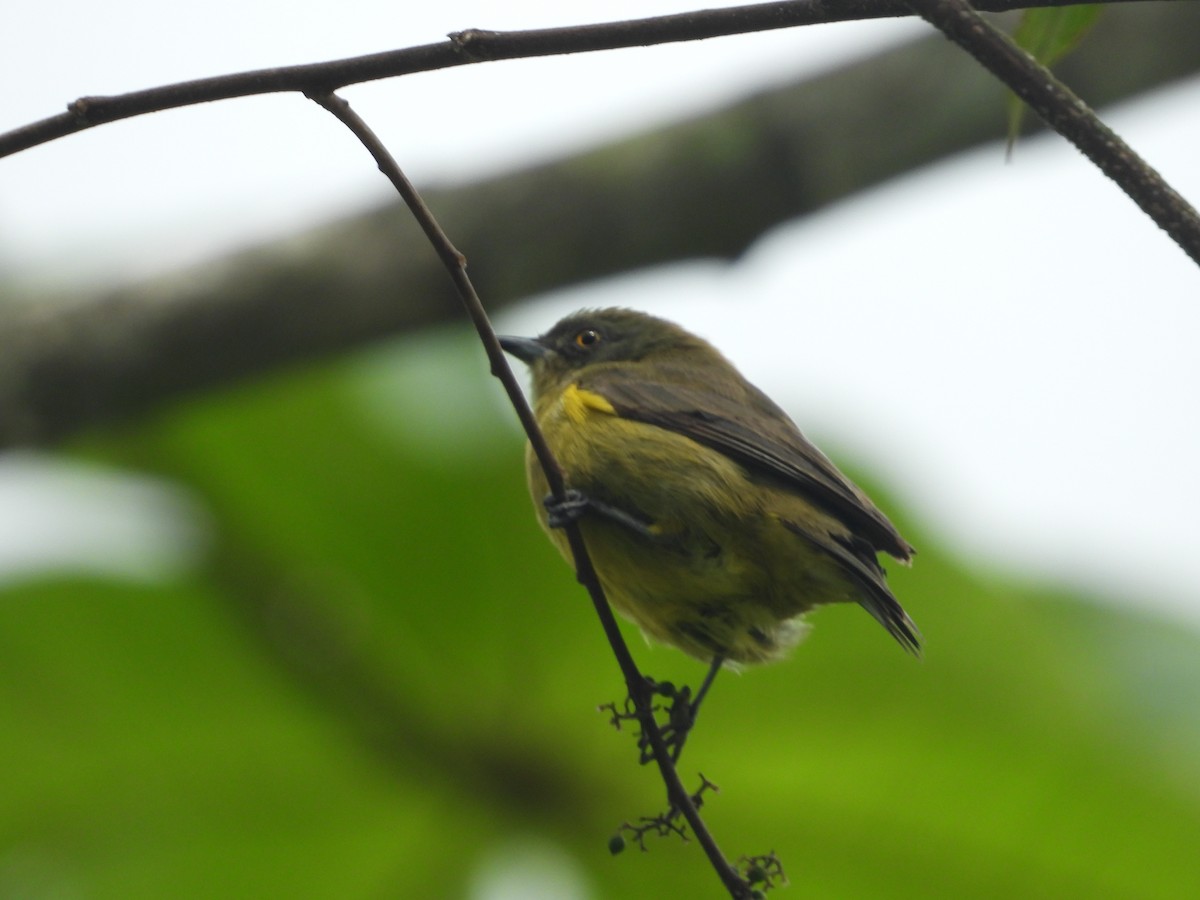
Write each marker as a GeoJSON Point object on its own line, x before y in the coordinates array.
{"type": "Point", "coordinates": [527, 350]}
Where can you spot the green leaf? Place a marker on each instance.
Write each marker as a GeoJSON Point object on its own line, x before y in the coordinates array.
{"type": "Point", "coordinates": [1048, 35]}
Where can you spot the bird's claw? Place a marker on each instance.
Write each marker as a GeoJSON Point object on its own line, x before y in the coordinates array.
{"type": "Point", "coordinates": [571, 508]}
{"type": "Point", "coordinates": [575, 504]}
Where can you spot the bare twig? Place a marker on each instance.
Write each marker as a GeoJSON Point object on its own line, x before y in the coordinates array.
{"type": "Point", "coordinates": [464, 48]}
{"type": "Point", "coordinates": [1058, 106]}
{"type": "Point", "coordinates": [455, 263]}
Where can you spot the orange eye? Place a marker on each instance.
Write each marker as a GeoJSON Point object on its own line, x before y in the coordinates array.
{"type": "Point", "coordinates": [587, 338]}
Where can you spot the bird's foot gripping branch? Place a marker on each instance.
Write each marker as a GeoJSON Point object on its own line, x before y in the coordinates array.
{"type": "Point", "coordinates": [576, 504]}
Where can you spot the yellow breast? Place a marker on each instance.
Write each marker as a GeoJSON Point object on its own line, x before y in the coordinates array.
{"type": "Point", "coordinates": [576, 402]}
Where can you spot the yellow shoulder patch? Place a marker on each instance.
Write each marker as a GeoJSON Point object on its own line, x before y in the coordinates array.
{"type": "Point", "coordinates": [576, 402]}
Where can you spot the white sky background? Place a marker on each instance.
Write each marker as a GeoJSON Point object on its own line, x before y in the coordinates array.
{"type": "Point", "coordinates": [1011, 348]}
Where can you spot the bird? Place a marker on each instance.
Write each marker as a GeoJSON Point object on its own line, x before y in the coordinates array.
{"type": "Point", "coordinates": [711, 521]}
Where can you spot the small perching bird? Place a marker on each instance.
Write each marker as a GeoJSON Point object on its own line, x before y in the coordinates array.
{"type": "Point", "coordinates": [711, 521]}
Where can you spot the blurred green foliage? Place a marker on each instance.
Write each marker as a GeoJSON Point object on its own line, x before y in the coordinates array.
{"type": "Point", "coordinates": [383, 682]}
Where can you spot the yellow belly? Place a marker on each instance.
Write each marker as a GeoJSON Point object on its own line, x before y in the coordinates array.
{"type": "Point", "coordinates": [722, 576]}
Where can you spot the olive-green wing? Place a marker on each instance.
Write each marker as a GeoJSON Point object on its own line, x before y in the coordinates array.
{"type": "Point", "coordinates": [741, 422]}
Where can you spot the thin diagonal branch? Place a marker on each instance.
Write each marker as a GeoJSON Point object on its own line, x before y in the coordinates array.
{"type": "Point", "coordinates": [464, 48]}
{"type": "Point", "coordinates": [1058, 106]}
{"type": "Point", "coordinates": [455, 264]}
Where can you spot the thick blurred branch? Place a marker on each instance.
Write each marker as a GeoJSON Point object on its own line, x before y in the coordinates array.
{"type": "Point", "coordinates": [706, 187]}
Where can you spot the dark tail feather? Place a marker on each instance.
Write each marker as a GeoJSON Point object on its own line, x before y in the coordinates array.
{"type": "Point", "coordinates": [887, 611]}
{"type": "Point", "coordinates": [857, 558]}
{"type": "Point", "coordinates": [861, 563]}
